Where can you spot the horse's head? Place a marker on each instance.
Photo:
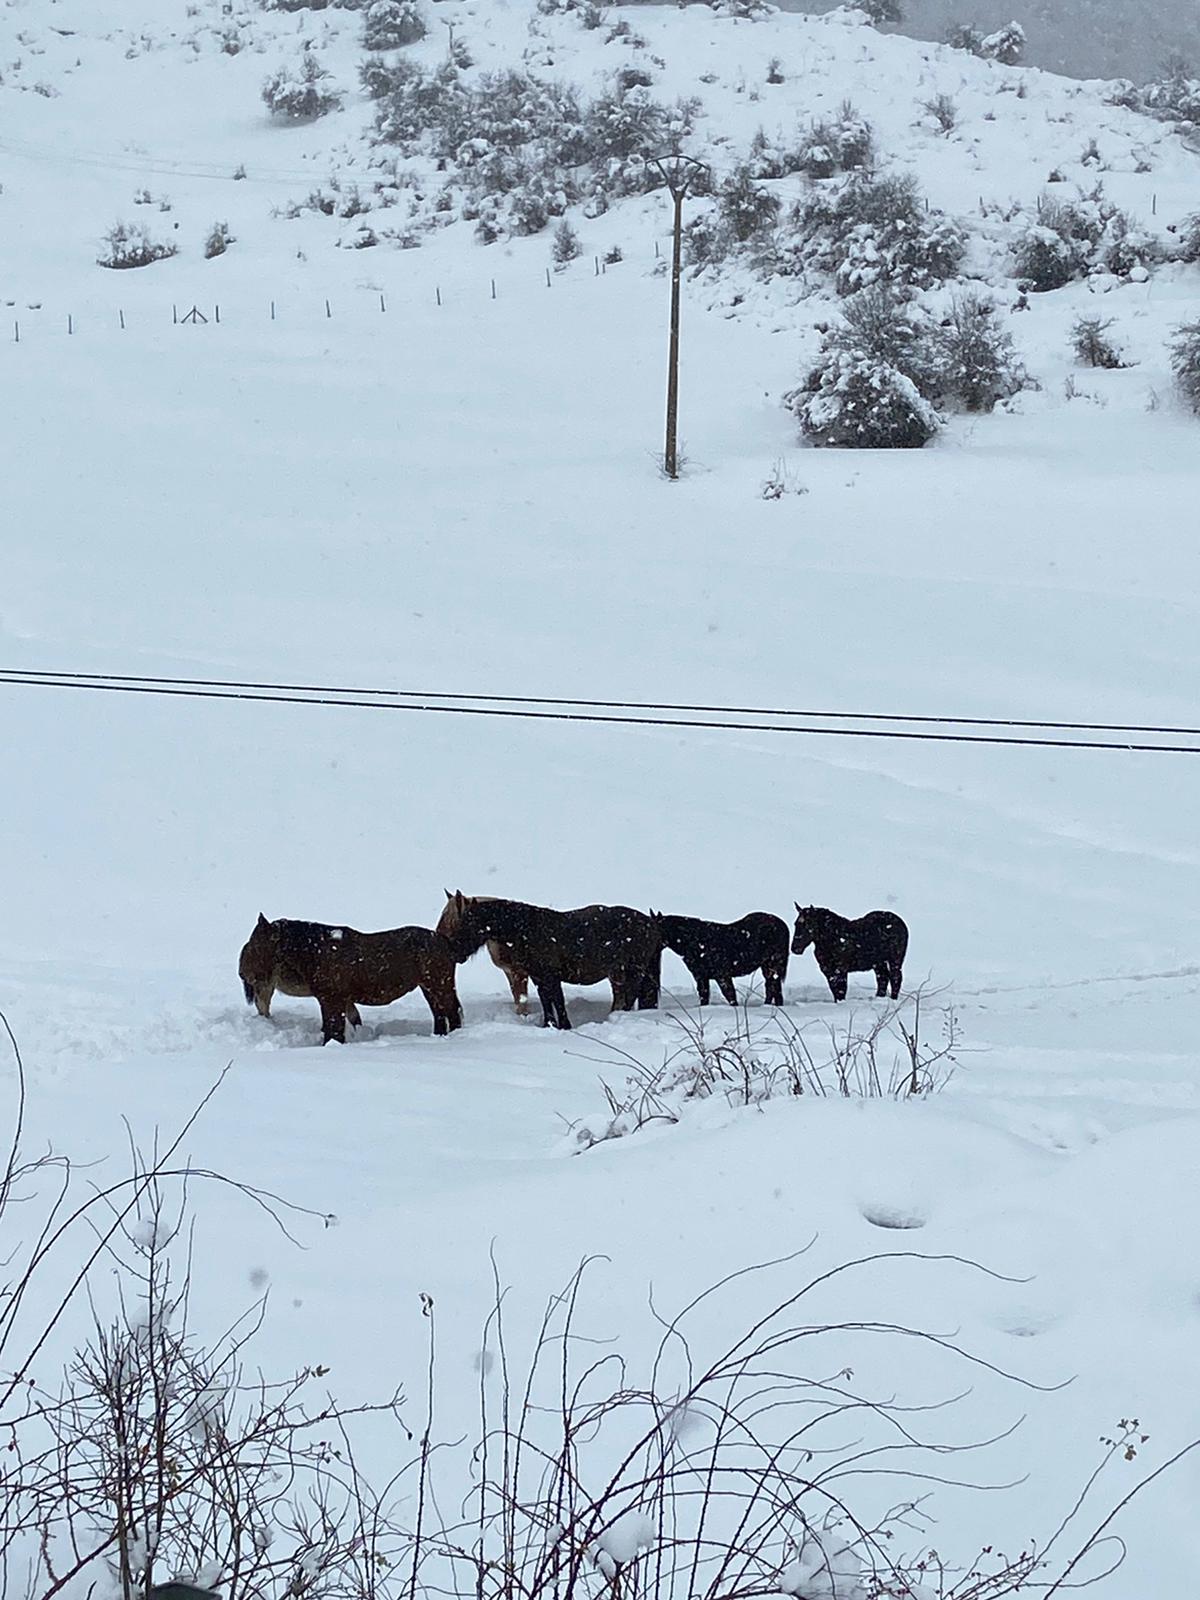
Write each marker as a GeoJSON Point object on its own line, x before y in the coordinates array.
{"type": "Point", "coordinates": [257, 963]}
{"type": "Point", "coordinates": [805, 930]}
{"type": "Point", "coordinates": [460, 925]}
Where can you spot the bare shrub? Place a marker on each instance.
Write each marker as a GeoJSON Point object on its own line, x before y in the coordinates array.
{"type": "Point", "coordinates": [943, 111]}
{"type": "Point", "coordinates": [749, 1056]}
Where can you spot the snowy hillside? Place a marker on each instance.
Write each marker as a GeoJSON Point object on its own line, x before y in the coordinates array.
{"type": "Point", "coordinates": [384, 455]}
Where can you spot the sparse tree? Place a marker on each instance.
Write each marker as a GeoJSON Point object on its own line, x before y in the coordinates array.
{"type": "Point", "coordinates": [566, 246]}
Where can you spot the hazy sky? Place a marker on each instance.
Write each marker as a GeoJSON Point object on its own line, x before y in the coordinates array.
{"type": "Point", "coordinates": [1087, 38]}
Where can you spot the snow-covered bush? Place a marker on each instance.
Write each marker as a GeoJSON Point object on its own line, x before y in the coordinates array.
{"type": "Point", "coordinates": [972, 357]}
{"type": "Point", "coordinates": [871, 230]}
{"type": "Point", "coordinates": [881, 11]}
{"type": "Point", "coordinates": [1043, 259]}
{"type": "Point", "coordinates": [858, 402]}
{"type": "Point", "coordinates": [1189, 239]}
{"type": "Point", "coordinates": [527, 142]}
{"type": "Point", "coordinates": [844, 144]}
{"type": "Point", "coordinates": [1185, 362]}
{"type": "Point", "coordinates": [744, 10]}
{"type": "Point", "coordinates": [1006, 45]}
{"type": "Point", "coordinates": [218, 241]}
{"type": "Point", "coordinates": [1174, 97]}
{"type": "Point", "coordinates": [746, 209]}
{"type": "Point", "coordinates": [128, 244]}
{"type": "Point", "coordinates": [1091, 344]}
{"type": "Point", "coordinates": [963, 36]}
{"type": "Point", "coordinates": [390, 24]}
{"type": "Point", "coordinates": [300, 93]}
{"type": "Point", "coordinates": [1074, 237]}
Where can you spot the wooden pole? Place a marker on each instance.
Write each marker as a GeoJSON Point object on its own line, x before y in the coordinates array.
{"type": "Point", "coordinates": [678, 176]}
{"type": "Point", "coordinates": [671, 459]}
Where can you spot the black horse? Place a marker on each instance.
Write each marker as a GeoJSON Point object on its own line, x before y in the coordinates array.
{"type": "Point", "coordinates": [719, 952]}
{"type": "Point", "coordinates": [585, 946]}
{"type": "Point", "coordinates": [876, 942]}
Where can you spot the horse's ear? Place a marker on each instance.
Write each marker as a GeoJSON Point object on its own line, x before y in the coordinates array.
{"type": "Point", "coordinates": [262, 921]}
{"type": "Point", "coordinates": [798, 906]}
{"type": "Point", "coordinates": [448, 895]}
{"type": "Point", "coordinates": [459, 900]}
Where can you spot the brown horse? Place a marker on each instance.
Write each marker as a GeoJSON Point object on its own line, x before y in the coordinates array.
{"type": "Point", "coordinates": [585, 946]}
{"type": "Point", "coordinates": [502, 956]}
{"type": "Point", "coordinates": [343, 969]}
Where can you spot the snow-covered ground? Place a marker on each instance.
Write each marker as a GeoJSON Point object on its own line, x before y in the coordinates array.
{"type": "Point", "coordinates": [465, 497]}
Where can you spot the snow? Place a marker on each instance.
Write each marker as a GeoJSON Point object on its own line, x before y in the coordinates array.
{"type": "Point", "coordinates": [465, 497]}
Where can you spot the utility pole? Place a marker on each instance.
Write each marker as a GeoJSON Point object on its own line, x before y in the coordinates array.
{"type": "Point", "coordinates": [679, 173]}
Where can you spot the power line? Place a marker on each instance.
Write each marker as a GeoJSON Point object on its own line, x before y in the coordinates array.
{"type": "Point", "coordinates": [522, 708]}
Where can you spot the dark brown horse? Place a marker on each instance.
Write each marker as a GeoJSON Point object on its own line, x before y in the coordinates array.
{"type": "Point", "coordinates": [502, 956]}
{"type": "Point", "coordinates": [719, 952]}
{"type": "Point", "coordinates": [877, 942]}
{"type": "Point", "coordinates": [584, 946]}
{"type": "Point", "coordinates": [343, 969]}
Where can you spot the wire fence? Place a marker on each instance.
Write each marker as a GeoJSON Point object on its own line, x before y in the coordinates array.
{"type": "Point", "coordinates": [40, 319]}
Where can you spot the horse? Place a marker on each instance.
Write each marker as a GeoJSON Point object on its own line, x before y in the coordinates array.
{"type": "Point", "coordinates": [342, 969]}
{"type": "Point", "coordinates": [722, 951]}
{"type": "Point", "coordinates": [875, 942]}
{"type": "Point", "coordinates": [502, 957]}
{"type": "Point", "coordinates": [583, 946]}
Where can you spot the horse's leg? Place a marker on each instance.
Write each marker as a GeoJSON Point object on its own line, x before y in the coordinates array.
{"type": "Point", "coordinates": [896, 975]}
{"type": "Point", "coordinates": [883, 973]}
{"type": "Point", "coordinates": [560, 1005]}
{"type": "Point", "coordinates": [773, 985]}
{"type": "Point", "coordinates": [836, 981]}
{"type": "Point", "coordinates": [624, 988]}
{"type": "Point", "coordinates": [650, 986]}
{"type": "Point", "coordinates": [545, 991]}
{"type": "Point", "coordinates": [518, 982]}
{"type": "Point", "coordinates": [333, 1021]}
{"type": "Point", "coordinates": [702, 989]}
{"type": "Point", "coordinates": [352, 1016]}
{"type": "Point", "coordinates": [727, 990]}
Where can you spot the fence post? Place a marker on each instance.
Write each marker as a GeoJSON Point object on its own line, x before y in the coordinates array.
{"type": "Point", "coordinates": [272, 311]}
{"type": "Point", "coordinates": [70, 323]}
{"type": "Point", "coordinates": [438, 292]}
{"type": "Point", "coordinates": [174, 313]}
{"type": "Point", "coordinates": [216, 313]}
{"type": "Point", "coordinates": [16, 333]}
{"type": "Point", "coordinates": [493, 288]}
{"type": "Point", "coordinates": [382, 303]}
{"type": "Point", "coordinates": [121, 315]}
{"type": "Point", "coordinates": [547, 277]}
{"type": "Point", "coordinates": [328, 312]}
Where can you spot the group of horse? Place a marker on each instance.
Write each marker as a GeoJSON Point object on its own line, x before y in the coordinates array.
{"type": "Point", "coordinates": [343, 969]}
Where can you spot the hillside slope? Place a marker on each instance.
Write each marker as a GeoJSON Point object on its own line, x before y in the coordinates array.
{"type": "Point", "coordinates": [436, 468]}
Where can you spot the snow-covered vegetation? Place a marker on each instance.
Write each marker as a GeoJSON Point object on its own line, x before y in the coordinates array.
{"type": "Point", "coordinates": [381, 407]}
